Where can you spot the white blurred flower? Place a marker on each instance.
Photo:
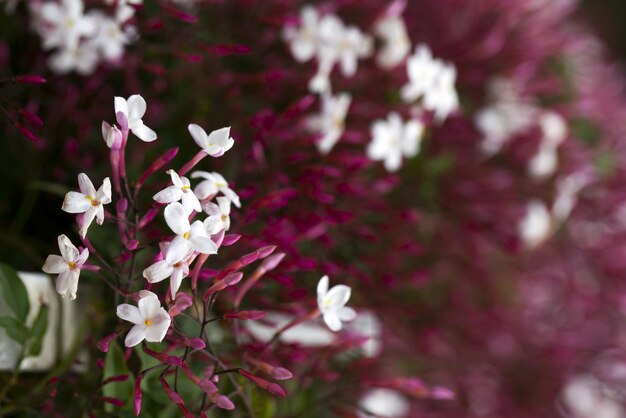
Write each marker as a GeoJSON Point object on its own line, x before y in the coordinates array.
{"type": "Point", "coordinates": [536, 225]}
{"type": "Point", "coordinates": [554, 132]}
{"type": "Point", "coordinates": [330, 122]}
{"type": "Point", "coordinates": [219, 215]}
{"type": "Point", "coordinates": [188, 237]}
{"type": "Point", "coordinates": [331, 304]}
{"type": "Point", "coordinates": [109, 37]}
{"type": "Point", "coordinates": [384, 403]}
{"type": "Point", "coordinates": [214, 182]}
{"type": "Point", "coordinates": [216, 143]}
{"type": "Point", "coordinates": [112, 135]}
{"type": "Point", "coordinates": [396, 42]}
{"type": "Point", "coordinates": [303, 40]}
{"type": "Point", "coordinates": [392, 139]}
{"type": "Point", "coordinates": [305, 334]}
{"type": "Point", "coordinates": [150, 319]}
{"type": "Point", "coordinates": [88, 201]}
{"type": "Point", "coordinates": [134, 108]}
{"type": "Point", "coordinates": [567, 190]}
{"type": "Point", "coordinates": [82, 58]}
{"type": "Point", "coordinates": [63, 24]}
{"type": "Point", "coordinates": [586, 397]}
{"type": "Point", "coordinates": [67, 266]}
{"type": "Point", "coordinates": [179, 191]}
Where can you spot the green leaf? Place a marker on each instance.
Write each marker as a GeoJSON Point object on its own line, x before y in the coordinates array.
{"type": "Point", "coordinates": [14, 329]}
{"type": "Point", "coordinates": [14, 292]}
{"type": "Point", "coordinates": [114, 365]}
{"type": "Point", "coordinates": [38, 330]}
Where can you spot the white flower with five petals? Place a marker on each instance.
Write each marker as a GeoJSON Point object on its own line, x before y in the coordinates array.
{"type": "Point", "coordinates": [67, 266]}
{"type": "Point", "coordinates": [150, 319]}
{"type": "Point", "coordinates": [216, 143]}
{"type": "Point", "coordinates": [303, 41]}
{"type": "Point", "coordinates": [188, 237]}
{"type": "Point", "coordinates": [134, 108]}
{"type": "Point", "coordinates": [219, 215]}
{"type": "Point", "coordinates": [331, 304]}
{"type": "Point", "coordinates": [396, 42]}
{"type": "Point", "coordinates": [330, 122]}
{"type": "Point", "coordinates": [168, 267]}
{"type": "Point", "coordinates": [392, 139]}
{"type": "Point", "coordinates": [214, 182]}
{"type": "Point", "coordinates": [179, 191]}
{"type": "Point", "coordinates": [63, 24]}
{"type": "Point", "coordinates": [88, 201]}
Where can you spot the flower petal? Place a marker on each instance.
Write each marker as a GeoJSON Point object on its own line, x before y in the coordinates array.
{"type": "Point", "coordinates": [178, 249]}
{"type": "Point", "coordinates": [129, 313]}
{"type": "Point", "coordinates": [136, 107]}
{"type": "Point", "coordinates": [158, 271]}
{"type": "Point", "coordinates": [198, 134]}
{"type": "Point", "coordinates": [175, 281]}
{"type": "Point", "coordinates": [322, 287]}
{"type": "Point", "coordinates": [104, 192]}
{"type": "Point", "coordinates": [160, 324]}
{"type": "Point", "coordinates": [85, 185]}
{"type": "Point", "coordinates": [346, 314]}
{"type": "Point", "coordinates": [205, 189]}
{"type": "Point", "coordinates": [176, 218]}
{"type": "Point", "coordinates": [90, 214]}
{"type": "Point", "coordinates": [75, 202]}
{"type": "Point", "coordinates": [333, 321]}
{"type": "Point", "coordinates": [121, 105]}
{"type": "Point", "coordinates": [55, 264]}
{"type": "Point", "coordinates": [144, 133]}
{"type": "Point", "coordinates": [136, 335]}
{"type": "Point", "coordinates": [149, 305]}
{"type": "Point", "coordinates": [190, 202]}
{"type": "Point", "coordinates": [63, 283]}
{"type": "Point", "coordinates": [68, 251]}
{"type": "Point", "coordinates": [339, 295]}
{"type": "Point", "coordinates": [168, 195]}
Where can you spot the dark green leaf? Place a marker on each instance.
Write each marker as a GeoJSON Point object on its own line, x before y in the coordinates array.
{"type": "Point", "coordinates": [37, 331]}
{"type": "Point", "coordinates": [14, 329]}
{"type": "Point", "coordinates": [14, 292]}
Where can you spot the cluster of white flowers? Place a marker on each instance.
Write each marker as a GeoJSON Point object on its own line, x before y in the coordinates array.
{"type": "Point", "coordinates": [329, 41]}
{"type": "Point", "coordinates": [509, 115]}
{"type": "Point", "coordinates": [81, 40]}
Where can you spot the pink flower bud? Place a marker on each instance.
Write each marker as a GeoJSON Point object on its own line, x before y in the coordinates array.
{"type": "Point", "coordinates": [230, 239]}
{"type": "Point", "coordinates": [223, 402]}
{"type": "Point", "coordinates": [29, 79]}
{"type": "Point", "coordinates": [175, 397]}
{"type": "Point", "coordinates": [272, 261]}
{"type": "Point", "coordinates": [137, 394]}
{"type": "Point", "coordinates": [165, 158]}
{"type": "Point", "coordinates": [265, 251]}
{"type": "Point", "coordinates": [122, 205]}
{"type": "Point", "coordinates": [103, 344]}
{"type": "Point", "coordinates": [218, 238]}
{"type": "Point", "coordinates": [273, 388]}
{"type": "Point", "coordinates": [439, 392]}
{"type": "Point", "coordinates": [112, 401]}
{"type": "Point", "coordinates": [31, 117]}
{"type": "Point", "coordinates": [182, 302]}
{"type": "Point", "coordinates": [245, 315]}
{"type": "Point", "coordinates": [163, 358]}
{"type": "Point", "coordinates": [118, 378]}
{"type": "Point", "coordinates": [122, 120]}
{"type": "Point", "coordinates": [280, 373]}
{"type": "Point", "coordinates": [27, 133]}
{"type": "Point", "coordinates": [147, 218]}
{"type": "Point", "coordinates": [132, 245]}
{"type": "Point", "coordinates": [233, 278]}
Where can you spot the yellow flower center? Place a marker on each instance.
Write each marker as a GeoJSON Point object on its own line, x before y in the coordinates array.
{"type": "Point", "coordinates": [94, 202]}
{"type": "Point", "coordinates": [224, 218]}
{"type": "Point", "coordinates": [71, 265]}
{"type": "Point", "coordinates": [220, 184]}
{"type": "Point", "coordinates": [148, 322]}
{"type": "Point", "coordinates": [185, 188]}
{"type": "Point", "coordinates": [177, 264]}
{"type": "Point", "coordinates": [186, 235]}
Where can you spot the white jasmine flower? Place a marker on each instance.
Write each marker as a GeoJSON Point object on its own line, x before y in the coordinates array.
{"type": "Point", "coordinates": [554, 130]}
{"type": "Point", "coordinates": [179, 191]}
{"type": "Point", "coordinates": [536, 226]}
{"type": "Point", "coordinates": [303, 41]}
{"type": "Point", "coordinates": [150, 319]}
{"type": "Point", "coordinates": [330, 122]}
{"type": "Point", "coordinates": [331, 304]}
{"type": "Point", "coordinates": [134, 108]}
{"type": "Point", "coordinates": [587, 397]}
{"type": "Point", "coordinates": [392, 139]}
{"type": "Point", "coordinates": [216, 143]}
{"type": "Point", "coordinates": [168, 267]}
{"type": "Point", "coordinates": [384, 403]}
{"type": "Point", "coordinates": [64, 23]}
{"type": "Point", "coordinates": [433, 80]}
{"type": "Point", "coordinates": [88, 201]}
{"type": "Point", "coordinates": [81, 58]}
{"type": "Point", "coordinates": [109, 38]}
{"type": "Point", "coordinates": [219, 215]}
{"type": "Point", "coordinates": [567, 190]}
{"type": "Point", "coordinates": [213, 183]}
{"type": "Point", "coordinates": [67, 266]}
{"type": "Point", "coordinates": [188, 237]}
{"type": "Point", "coordinates": [112, 135]}
{"type": "Point", "coordinates": [396, 42]}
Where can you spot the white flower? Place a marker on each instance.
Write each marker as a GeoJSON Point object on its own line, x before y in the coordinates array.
{"type": "Point", "coordinates": [88, 201]}
{"type": "Point", "coordinates": [433, 80]}
{"type": "Point", "coordinates": [63, 24]}
{"type": "Point", "coordinates": [180, 190]}
{"type": "Point", "coordinates": [112, 135]}
{"type": "Point", "coordinates": [109, 38]}
{"type": "Point", "coordinates": [384, 403]}
{"type": "Point", "coordinates": [67, 266]}
{"type": "Point", "coordinates": [331, 304]}
{"type": "Point", "coordinates": [330, 122]}
{"type": "Point", "coordinates": [567, 190]}
{"type": "Point", "coordinates": [168, 267]}
{"type": "Point", "coordinates": [134, 108]}
{"type": "Point", "coordinates": [82, 58]}
{"type": "Point", "coordinates": [219, 215]}
{"type": "Point", "coordinates": [188, 237]}
{"type": "Point", "coordinates": [150, 319]}
{"type": "Point", "coordinates": [554, 130]}
{"type": "Point", "coordinates": [216, 143]}
{"type": "Point", "coordinates": [536, 226]}
{"type": "Point", "coordinates": [303, 41]}
{"type": "Point", "coordinates": [213, 183]}
{"type": "Point", "coordinates": [392, 139]}
{"type": "Point", "coordinates": [396, 42]}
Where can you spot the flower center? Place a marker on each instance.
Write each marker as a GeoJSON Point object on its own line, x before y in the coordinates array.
{"type": "Point", "coordinates": [185, 188]}
{"type": "Point", "coordinates": [327, 302]}
{"type": "Point", "coordinates": [177, 265]}
{"type": "Point", "coordinates": [186, 235]}
{"type": "Point", "coordinates": [219, 185]}
{"type": "Point", "coordinates": [94, 202]}
{"type": "Point", "coordinates": [71, 265]}
{"type": "Point", "coordinates": [148, 322]}
{"type": "Point", "coordinates": [224, 218]}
